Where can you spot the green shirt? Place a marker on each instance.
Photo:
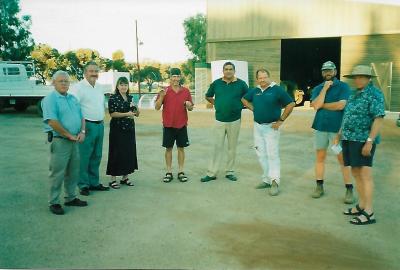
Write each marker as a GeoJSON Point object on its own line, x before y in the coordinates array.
{"type": "Point", "coordinates": [228, 104]}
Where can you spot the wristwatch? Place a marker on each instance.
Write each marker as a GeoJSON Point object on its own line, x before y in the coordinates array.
{"type": "Point", "coordinates": [369, 139]}
{"type": "Point", "coordinates": [83, 131]}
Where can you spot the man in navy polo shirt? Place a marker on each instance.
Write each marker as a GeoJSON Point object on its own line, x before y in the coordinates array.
{"type": "Point", "coordinates": [329, 99]}
{"type": "Point", "coordinates": [266, 101]}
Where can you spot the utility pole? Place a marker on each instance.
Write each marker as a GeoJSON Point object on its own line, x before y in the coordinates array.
{"type": "Point", "coordinates": [137, 59]}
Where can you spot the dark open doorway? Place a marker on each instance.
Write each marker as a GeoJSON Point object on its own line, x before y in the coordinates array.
{"type": "Point", "coordinates": [301, 61]}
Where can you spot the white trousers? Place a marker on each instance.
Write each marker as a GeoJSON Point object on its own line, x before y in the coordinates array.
{"type": "Point", "coordinates": [266, 144]}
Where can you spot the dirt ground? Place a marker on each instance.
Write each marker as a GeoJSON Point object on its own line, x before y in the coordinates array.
{"type": "Point", "coordinates": [194, 225]}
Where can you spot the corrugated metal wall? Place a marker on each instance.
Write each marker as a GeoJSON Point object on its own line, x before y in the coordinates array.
{"type": "Point", "coordinates": [273, 19]}
{"type": "Point", "coordinates": [251, 30]}
{"type": "Point", "coordinates": [358, 50]}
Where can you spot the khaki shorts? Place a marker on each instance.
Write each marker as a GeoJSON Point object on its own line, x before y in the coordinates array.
{"type": "Point", "coordinates": [323, 139]}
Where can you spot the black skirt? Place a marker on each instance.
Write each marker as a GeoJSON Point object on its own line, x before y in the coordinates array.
{"type": "Point", "coordinates": [122, 159]}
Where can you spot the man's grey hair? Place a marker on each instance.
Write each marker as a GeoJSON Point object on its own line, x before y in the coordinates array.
{"type": "Point", "coordinates": [90, 63]}
{"type": "Point", "coordinates": [59, 73]}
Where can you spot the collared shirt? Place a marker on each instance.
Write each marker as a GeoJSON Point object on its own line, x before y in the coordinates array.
{"type": "Point", "coordinates": [268, 103]}
{"type": "Point", "coordinates": [328, 120]}
{"type": "Point", "coordinates": [361, 110]}
{"type": "Point", "coordinates": [227, 95]}
{"type": "Point", "coordinates": [91, 100]}
{"type": "Point", "coordinates": [174, 113]}
{"type": "Point", "coordinates": [64, 109]}
{"type": "Point", "coordinates": [117, 103]}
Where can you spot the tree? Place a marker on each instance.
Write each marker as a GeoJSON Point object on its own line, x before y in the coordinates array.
{"type": "Point", "coordinates": [16, 42]}
{"type": "Point", "coordinates": [45, 59]}
{"type": "Point", "coordinates": [80, 57]}
{"type": "Point", "coordinates": [48, 60]}
{"type": "Point", "coordinates": [195, 36]}
{"type": "Point", "coordinates": [118, 61]}
{"type": "Point", "coordinates": [150, 74]}
{"type": "Point", "coordinates": [195, 39]}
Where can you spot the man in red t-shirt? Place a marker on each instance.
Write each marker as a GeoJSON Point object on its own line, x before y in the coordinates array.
{"type": "Point", "coordinates": [176, 101]}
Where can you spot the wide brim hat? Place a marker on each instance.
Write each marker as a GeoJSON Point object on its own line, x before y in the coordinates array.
{"type": "Point", "coordinates": [360, 70]}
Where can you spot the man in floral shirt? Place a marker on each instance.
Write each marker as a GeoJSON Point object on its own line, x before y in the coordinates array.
{"type": "Point", "coordinates": [362, 121]}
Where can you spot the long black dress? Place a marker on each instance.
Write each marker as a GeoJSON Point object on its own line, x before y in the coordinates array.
{"type": "Point", "coordinates": [122, 159]}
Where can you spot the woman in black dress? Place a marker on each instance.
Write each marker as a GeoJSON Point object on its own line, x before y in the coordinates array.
{"type": "Point", "coordinates": [122, 158]}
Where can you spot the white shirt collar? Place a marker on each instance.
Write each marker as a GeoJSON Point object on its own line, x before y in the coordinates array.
{"type": "Point", "coordinates": [88, 84]}
{"type": "Point", "coordinates": [272, 84]}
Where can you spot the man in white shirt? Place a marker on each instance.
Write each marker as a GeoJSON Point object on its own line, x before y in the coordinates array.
{"type": "Point", "coordinates": [91, 99]}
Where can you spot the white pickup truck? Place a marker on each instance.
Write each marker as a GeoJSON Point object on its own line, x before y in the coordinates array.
{"type": "Point", "coordinates": [19, 88]}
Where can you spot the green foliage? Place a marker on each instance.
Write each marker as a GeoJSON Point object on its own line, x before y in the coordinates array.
{"type": "Point", "coordinates": [16, 42]}
{"type": "Point", "coordinates": [195, 39]}
{"type": "Point", "coordinates": [195, 36]}
{"type": "Point", "coordinates": [119, 65]}
{"type": "Point", "coordinates": [148, 74]}
{"type": "Point", "coordinates": [48, 60]}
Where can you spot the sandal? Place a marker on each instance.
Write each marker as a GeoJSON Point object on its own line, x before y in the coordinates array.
{"type": "Point", "coordinates": [168, 177]}
{"type": "Point", "coordinates": [126, 182]}
{"type": "Point", "coordinates": [358, 221]}
{"type": "Point", "coordinates": [114, 185]}
{"type": "Point", "coordinates": [182, 177]}
{"type": "Point", "coordinates": [350, 212]}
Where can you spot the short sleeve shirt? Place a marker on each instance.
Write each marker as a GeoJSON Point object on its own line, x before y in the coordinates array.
{"type": "Point", "coordinates": [117, 103]}
{"type": "Point", "coordinates": [328, 120]}
{"type": "Point", "coordinates": [91, 99]}
{"type": "Point", "coordinates": [228, 96]}
{"type": "Point", "coordinates": [268, 104]}
{"type": "Point", "coordinates": [174, 113]}
{"type": "Point", "coordinates": [361, 110]}
{"type": "Point", "coordinates": [63, 108]}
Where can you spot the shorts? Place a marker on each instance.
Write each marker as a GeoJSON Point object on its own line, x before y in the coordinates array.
{"type": "Point", "coordinates": [323, 139]}
{"type": "Point", "coordinates": [352, 154]}
{"type": "Point", "coordinates": [170, 135]}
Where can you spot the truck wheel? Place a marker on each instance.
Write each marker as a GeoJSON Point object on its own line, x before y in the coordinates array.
{"type": "Point", "coordinates": [39, 108]}
{"type": "Point", "coordinates": [20, 107]}
{"type": "Point", "coordinates": [1, 105]}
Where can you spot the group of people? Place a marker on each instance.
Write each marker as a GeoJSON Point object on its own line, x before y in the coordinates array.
{"type": "Point", "coordinates": [74, 122]}
{"type": "Point", "coordinates": [345, 121]}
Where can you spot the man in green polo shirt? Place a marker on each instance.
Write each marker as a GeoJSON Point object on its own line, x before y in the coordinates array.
{"type": "Point", "coordinates": [225, 94]}
{"type": "Point", "coordinates": [266, 101]}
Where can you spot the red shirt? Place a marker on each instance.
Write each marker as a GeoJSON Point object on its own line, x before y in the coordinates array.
{"type": "Point", "coordinates": [174, 112]}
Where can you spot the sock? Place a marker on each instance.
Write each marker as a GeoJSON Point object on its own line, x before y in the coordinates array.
{"type": "Point", "coordinates": [349, 186]}
{"type": "Point", "coordinates": [320, 182]}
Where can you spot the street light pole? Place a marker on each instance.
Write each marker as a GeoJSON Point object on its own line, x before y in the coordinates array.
{"type": "Point", "coordinates": [137, 59]}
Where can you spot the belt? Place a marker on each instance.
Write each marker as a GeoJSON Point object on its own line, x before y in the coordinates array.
{"type": "Point", "coordinates": [264, 123]}
{"type": "Point", "coordinates": [60, 137]}
{"type": "Point", "coordinates": [94, 122]}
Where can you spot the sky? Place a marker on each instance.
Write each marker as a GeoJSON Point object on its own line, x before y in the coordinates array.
{"type": "Point", "coordinates": [109, 25]}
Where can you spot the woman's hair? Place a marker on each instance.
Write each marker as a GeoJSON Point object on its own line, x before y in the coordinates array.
{"type": "Point", "coordinates": [121, 80]}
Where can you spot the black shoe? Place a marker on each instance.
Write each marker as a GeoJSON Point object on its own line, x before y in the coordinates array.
{"type": "Point", "coordinates": [207, 178]}
{"type": "Point", "coordinates": [56, 209]}
{"type": "Point", "coordinates": [99, 187]}
{"type": "Point", "coordinates": [231, 177]}
{"type": "Point", "coordinates": [76, 202]}
{"type": "Point", "coordinates": [85, 191]}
